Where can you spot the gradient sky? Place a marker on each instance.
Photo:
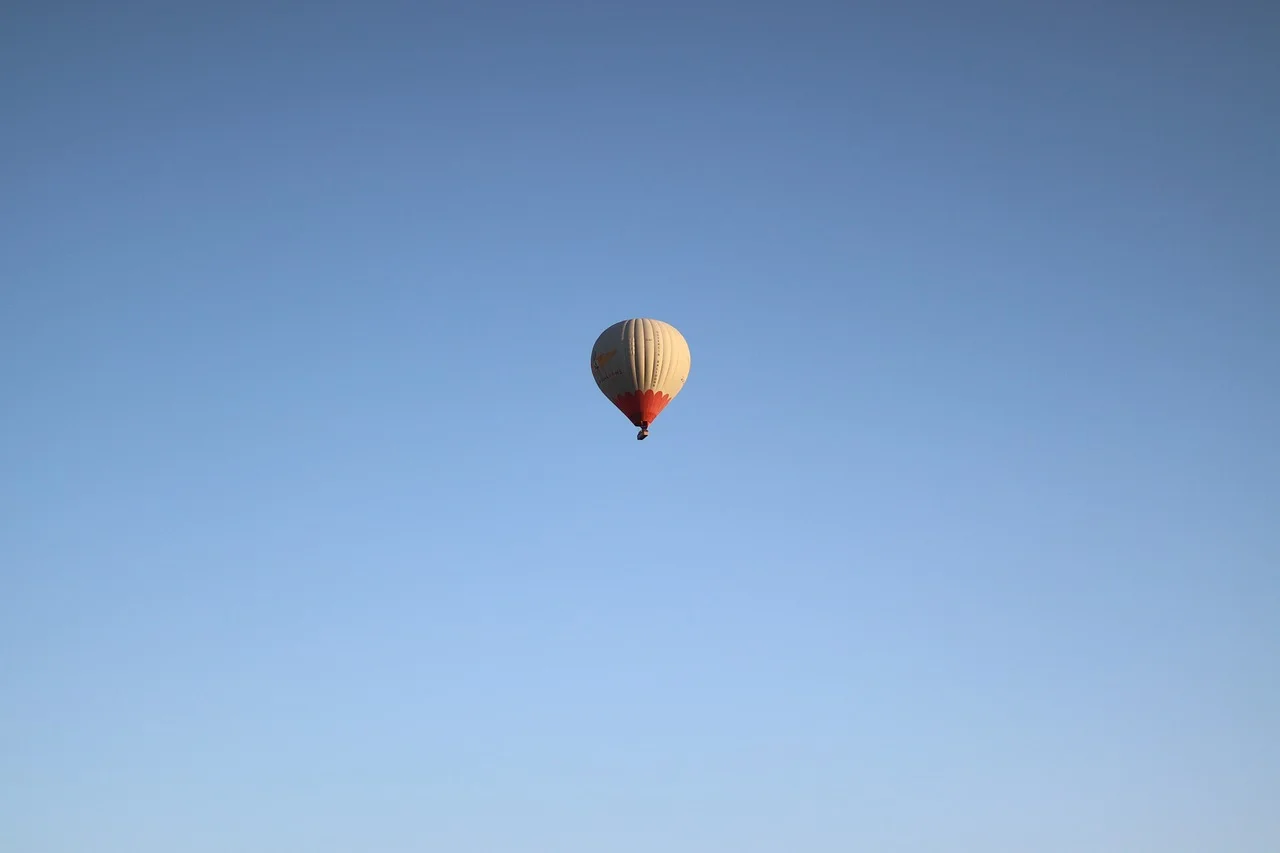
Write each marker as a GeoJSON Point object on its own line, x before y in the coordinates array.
{"type": "Point", "coordinates": [317, 536]}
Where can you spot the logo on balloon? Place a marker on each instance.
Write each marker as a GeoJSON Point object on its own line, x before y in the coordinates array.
{"type": "Point", "coordinates": [602, 359]}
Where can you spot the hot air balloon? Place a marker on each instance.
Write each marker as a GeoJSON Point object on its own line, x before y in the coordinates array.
{"type": "Point", "coordinates": [640, 365]}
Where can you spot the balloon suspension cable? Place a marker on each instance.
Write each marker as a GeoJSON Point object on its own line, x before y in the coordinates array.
{"type": "Point", "coordinates": [644, 431]}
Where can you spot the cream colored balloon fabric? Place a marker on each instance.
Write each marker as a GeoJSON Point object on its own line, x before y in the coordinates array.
{"type": "Point", "coordinates": [640, 365]}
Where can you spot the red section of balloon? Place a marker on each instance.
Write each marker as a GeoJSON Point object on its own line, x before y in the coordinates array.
{"type": "Point", "coordinates": [642, 407]}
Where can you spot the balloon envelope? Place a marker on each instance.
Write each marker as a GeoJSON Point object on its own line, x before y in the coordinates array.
{"type": "Point", "coordinates": [640, 365]}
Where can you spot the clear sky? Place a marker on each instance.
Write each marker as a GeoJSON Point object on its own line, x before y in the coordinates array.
{"type": "Point", "coordinates": [317, 536]}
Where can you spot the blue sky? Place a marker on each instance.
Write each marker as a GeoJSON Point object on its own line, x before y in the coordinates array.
{"type": "Point", "coordinates": [316, 535]}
